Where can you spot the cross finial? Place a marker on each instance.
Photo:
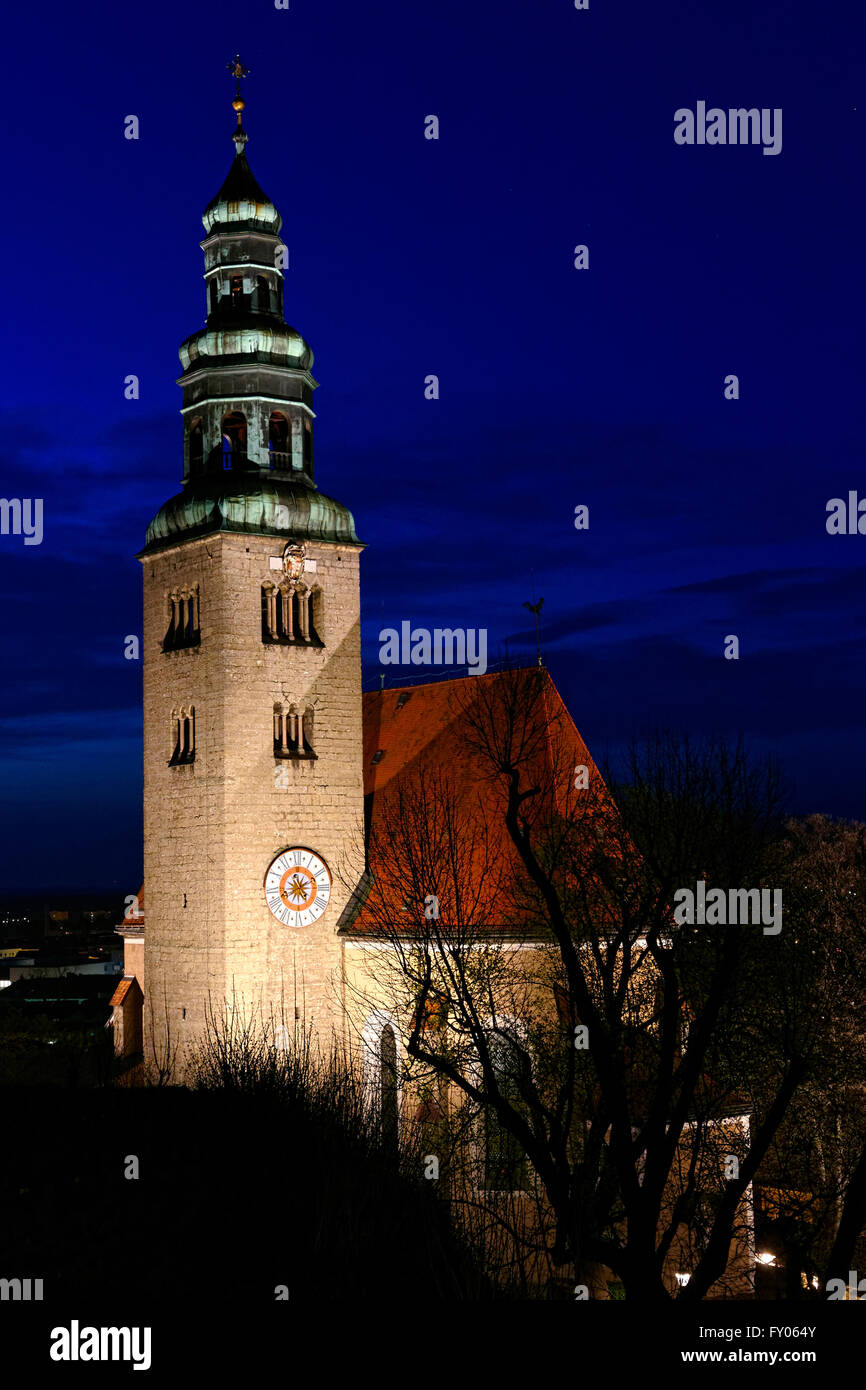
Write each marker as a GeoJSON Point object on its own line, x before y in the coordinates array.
{"type": "Point", "coordinates": [238, 71]}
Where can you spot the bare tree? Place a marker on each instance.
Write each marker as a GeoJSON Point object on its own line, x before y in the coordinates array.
{"type": "Point", "coordinates": [818, 1159]}
{"type": "Point", "coordinates": [165, 1054]}
{"type": "Point", "coordinates": [639, 1065]}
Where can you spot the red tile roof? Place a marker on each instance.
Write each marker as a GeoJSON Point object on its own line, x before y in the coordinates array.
{"type": "Point", "coordinates": [407, 721]}
{"type": "Point", "coordinates": [413, 733]}
{"type": "Point", "coordinates": [123, 988]}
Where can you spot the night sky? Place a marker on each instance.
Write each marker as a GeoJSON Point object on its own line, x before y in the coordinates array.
{"type": "Point", "coordinates": [408, 257]}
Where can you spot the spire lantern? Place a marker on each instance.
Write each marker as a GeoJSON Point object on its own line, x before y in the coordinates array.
{"type": "Point", "coordinates": [247, 384]}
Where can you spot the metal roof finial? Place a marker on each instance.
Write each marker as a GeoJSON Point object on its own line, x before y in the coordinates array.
{"type": "Point", "coordinates": [535, 609]}
{"type": "Point", "coordinates": [239, 72]}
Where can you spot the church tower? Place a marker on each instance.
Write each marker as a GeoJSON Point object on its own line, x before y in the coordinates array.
{"type": "Point", "coordinates": [253, 793]}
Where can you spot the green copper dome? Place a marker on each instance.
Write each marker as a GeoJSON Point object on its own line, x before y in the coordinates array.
{"type": "Point", "coordinates": [255, 503]}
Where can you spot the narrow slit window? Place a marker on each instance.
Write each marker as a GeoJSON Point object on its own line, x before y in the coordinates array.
{"type": "Point", "coordinates": [183, 733]}
{"type": "Point", "coordinates": [505, 1160]}
{"type": "Point", "coordinates": [388, 1088]}
{"type": "Point", "coordinates": [184, 628]}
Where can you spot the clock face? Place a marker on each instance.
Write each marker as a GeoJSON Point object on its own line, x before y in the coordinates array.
{"type": "Point", "coordinates": [297, 887]}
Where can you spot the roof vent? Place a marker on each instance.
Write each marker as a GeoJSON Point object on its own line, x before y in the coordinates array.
{"type": "Point", "coordinates": [377, 756]}
{"type": "Point", "coordinates": [402, 698]}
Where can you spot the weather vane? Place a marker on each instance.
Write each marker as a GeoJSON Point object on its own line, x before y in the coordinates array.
{"type": "Point", "coordinates": [239, 72]}
{"type": "Point", "coordinates": [535, 608]}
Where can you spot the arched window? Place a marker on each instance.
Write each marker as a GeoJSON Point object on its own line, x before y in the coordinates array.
{"type": "Point", "coordinates": [196, 446]}
{"type": "Point", "coordinates": [315, 616]}
{"type": "Point", "coordinates": [287, 614]}
{"type": "Point", "coordinates": [269, 619]}
{"type": "Point", "coordinates": [234, 437]}
{"type": "Point", "coordinates": [183, 620]}
{"type": "Point", "coordinates": [263, 294]}
{"type": "Point", "coordinates": [296, 443]}
{"type": "Point", "coordinates": [183, 733]}
{"type": "Point", "coordinates": [188, 734]}
{"type": "Point", "coordinates": [237, 291]}
{"type": "Point", "coordinates": [307, 732]}
{"type": "Point", "coordinates": [293, 733]}
{"type": "Point", "coordinates": [388, 1090]}
{"type": "Point", "coordinates": [505, 1165]}
{"type": "Point", "coordinates": [297, 614]}
{"type": "Point", "coordinates": [308, 447]}
{"type": "Point", "coordinates": [381, 1071]}
{"type": "Point", "coordinates": [279, 452]}
{"type": "Point", "coordinates": [214, 294]}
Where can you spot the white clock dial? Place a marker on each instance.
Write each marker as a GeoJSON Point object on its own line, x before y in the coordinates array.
{"type": "Point", "coordinates": [297, 887]}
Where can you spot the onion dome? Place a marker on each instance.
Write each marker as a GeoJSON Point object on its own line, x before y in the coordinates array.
{"type": "Point", "coordinates": [266, 342]}
{"type": "Point", "coordinates": [254, 503]}
{"type": "Point", "coordinates": [241, 204]}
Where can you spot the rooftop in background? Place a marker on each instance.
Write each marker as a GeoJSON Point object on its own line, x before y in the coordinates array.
{"type": "Point", "coordinates": [419, 731]}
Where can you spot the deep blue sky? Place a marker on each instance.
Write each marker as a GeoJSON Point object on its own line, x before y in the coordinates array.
{"type": "Point", "coordinates": [408, 257]}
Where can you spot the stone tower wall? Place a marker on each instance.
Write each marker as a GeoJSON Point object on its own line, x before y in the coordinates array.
{"type": "Point", "coordinates": [213, 826]}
